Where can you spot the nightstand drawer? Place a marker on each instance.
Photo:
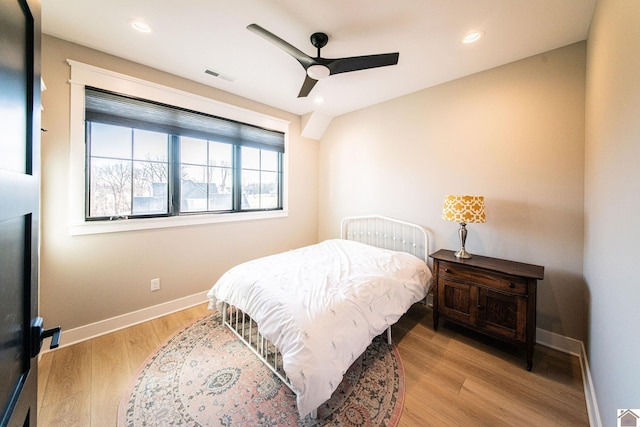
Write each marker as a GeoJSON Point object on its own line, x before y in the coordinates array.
{"type": "Point", "coordinates": [496, 281]}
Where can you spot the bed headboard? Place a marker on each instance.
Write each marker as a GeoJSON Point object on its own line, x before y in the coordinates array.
{"type": "Point", "coordinates": [387, 233]}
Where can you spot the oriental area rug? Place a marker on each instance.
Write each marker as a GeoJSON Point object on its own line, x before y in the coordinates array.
{"type": "Point", "coordinates": [205, 376]}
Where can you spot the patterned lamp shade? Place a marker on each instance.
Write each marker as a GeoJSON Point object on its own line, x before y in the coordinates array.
{"type": "Point", "coordinates": [464, 209]}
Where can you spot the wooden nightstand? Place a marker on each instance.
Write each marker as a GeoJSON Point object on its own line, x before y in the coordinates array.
{"type": "Point", "coordinates": [490, 295]}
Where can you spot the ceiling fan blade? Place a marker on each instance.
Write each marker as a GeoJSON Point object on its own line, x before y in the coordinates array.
{"type": "Point", "coordinates": [308, 84]}
{"type": "Point", "coordinates": [355, 63]}
{"type": "Point", "coordinates": [304, 59]}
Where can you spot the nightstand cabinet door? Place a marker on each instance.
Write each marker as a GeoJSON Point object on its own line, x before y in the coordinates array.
{"type": "Point", "coordinates": [458, 300]}
{"type": "Point", "coordinates": [502, 314]}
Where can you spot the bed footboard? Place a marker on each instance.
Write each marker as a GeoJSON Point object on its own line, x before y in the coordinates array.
{"type": "Point", "coordinates": [245, 328]}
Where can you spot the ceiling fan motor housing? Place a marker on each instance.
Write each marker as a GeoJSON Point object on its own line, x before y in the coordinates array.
{"type": "Point", "coordinates": [319, 40]}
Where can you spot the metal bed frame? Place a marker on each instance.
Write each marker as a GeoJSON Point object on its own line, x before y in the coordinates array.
{"type": "Point", "coordinates": [387, 233]}
{"type": "Point", "coordinates": [378, 231]}
{"type": "Point", "coordinates": [245, 328]}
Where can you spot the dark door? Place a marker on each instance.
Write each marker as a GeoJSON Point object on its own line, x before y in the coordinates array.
{"type": "Point", "coordinates": [19, 202]}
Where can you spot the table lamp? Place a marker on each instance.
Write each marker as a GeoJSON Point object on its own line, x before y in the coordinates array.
{"type": "Point", "coordinates": [463, 210]}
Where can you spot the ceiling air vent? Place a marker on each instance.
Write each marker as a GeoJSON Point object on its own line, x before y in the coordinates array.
{"type": "Point", "coordinates": [219, 75]}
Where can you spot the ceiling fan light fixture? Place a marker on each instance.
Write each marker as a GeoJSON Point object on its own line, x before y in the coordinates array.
{"type": "Point", "coordinates": [318, 71]}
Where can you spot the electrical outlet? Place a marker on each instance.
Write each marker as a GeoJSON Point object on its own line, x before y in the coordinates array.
{"type": "Point", "coordinates": [155, 285]}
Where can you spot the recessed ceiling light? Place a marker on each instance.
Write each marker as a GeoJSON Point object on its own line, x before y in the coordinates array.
{"type": "Point", "coordinates": [473, 36]}
{"type": "Point", "coordinates": [141, 26]}
{"type": "Point", "coordinates": [318, 100]}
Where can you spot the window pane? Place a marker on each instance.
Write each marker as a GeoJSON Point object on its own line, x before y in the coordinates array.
{"type": "Point", "coordinates": [220, 194]}
{"type": "Point", "coordinates": [223, 179]}
{"type": "Point", "coordinates": [193, 151]}
{"type": "Point", "coordinates": [206, 188]}
{"type": "Point", "coordinates": [250, 158]}
{"type": "Point", "coordinates": [193, 188]}
{"type": "Point", "coordinates": [269, 160]}
{"type": "Point", "coordinates": [110, 141]}
{"type": "Point", "coordinates": [149, 145]}
{"type": "Point", "coordinates": [150, 188]}
{"type": "Point", "coordinates": [250, 189]}
{"type": "Point", "coordinates": [110, 192]}
{"type": "Point", "coordinates": [269, 190]}
{"type": "Point", "coordinates": [260, 179]}
{"type": "Point", "coordinates": [220, 189]}
{"type": "Point", "coordinates": [220, 154]}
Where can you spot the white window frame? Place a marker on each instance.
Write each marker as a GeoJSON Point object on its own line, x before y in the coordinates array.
{"type": "Point", "coordinates": [88, 75]}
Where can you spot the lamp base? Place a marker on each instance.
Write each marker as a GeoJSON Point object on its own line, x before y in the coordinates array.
{"type": "Point", "coordinates": [462, 232]}
{"type": "Point", "coordinates": [462, 253]}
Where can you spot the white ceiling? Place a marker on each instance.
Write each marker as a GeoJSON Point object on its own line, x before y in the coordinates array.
{"type": "Point", "coordinates": [190, 36]}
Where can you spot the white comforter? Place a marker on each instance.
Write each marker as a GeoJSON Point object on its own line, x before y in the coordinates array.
{"type": "Point", "coordinates": [322, 305]}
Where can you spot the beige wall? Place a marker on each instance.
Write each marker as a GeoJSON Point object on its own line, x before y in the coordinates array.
{"type": "Point", "coordinates": [514, 134]}
{"type": "Point", "coordinates": [612, 205]}
{"type": "Point", "coordinates": [89, 278]}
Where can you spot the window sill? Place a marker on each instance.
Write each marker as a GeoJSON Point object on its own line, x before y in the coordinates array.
{"type": "Point", "coordinates": [99, 227]}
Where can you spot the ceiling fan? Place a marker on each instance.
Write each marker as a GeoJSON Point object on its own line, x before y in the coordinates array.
{"type": "Point", "coordinates": [319, 68]}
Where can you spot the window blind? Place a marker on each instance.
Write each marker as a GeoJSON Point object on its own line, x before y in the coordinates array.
{"type": "Point", "coordinates": [110, 108]}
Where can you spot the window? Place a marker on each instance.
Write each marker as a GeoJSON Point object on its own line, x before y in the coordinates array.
{"type": "Point", "coordinates": [239, 122]}
{"type": "Point", "coordinates": [148, 159]}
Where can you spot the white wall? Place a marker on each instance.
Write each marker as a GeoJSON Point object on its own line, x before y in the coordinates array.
{"type": "Point", "coordinates": [514, 134]}
{"type": "Point", "coordinates": [85, 279]}
{"type": "Point", "coordinates": [612, 205]}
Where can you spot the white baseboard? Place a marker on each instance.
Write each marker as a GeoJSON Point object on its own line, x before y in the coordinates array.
{"type": "Point", "coordinates": [83, 333]}
{"type": "Point", "coordinates": [559, 342]}
{"type": "Point", "coordinates": [543, 337]}
{"type": "Point", "coordinates": [589, 391]}
{"type": "Point", "coordinates": [576, 348]}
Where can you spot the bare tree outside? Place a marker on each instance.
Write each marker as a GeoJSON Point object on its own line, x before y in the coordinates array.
{"type": "Point", "coordinates": [129, 171]}
{"type": "Point", "coordinates": [110, 187]}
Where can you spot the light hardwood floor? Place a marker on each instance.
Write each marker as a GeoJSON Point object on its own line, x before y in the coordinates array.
{"type": "Point", "coordinates": [453, 377]}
